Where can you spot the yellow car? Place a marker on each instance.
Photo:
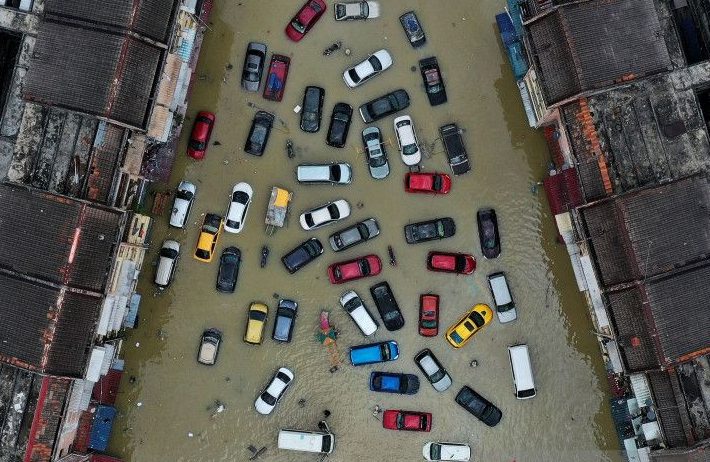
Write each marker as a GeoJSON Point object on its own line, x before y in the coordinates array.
{"type": "Point", "coordinates": [256, 321]}
{"type": "Point", "coordinates": [209, 235]}
{"type": "Point", "coordinates": [469, 324]}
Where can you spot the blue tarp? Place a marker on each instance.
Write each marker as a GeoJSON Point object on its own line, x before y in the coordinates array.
{"type": "Point", "coordinates": [512, 45]}
{"type": "Point", "coordinates": [516, 16]}
{"type": "Point", "coordinates": [132, 315]}
{"type": "Point", "coordinates": [506, 29]}
{"type": "Point", "coordinates": [101, 427]}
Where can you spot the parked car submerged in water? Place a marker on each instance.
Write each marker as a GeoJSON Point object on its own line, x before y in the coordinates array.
{"type": "Point", "coordinates": [348, 11]}
{"type": "Point", "coordinates": [285, 320]}
{"type": "Point", "coordinates": [376, 153]}
{"type": "Point", "coordinates": [455, 149]}
{"type": "Point", "coordinates": [384, 106]}
{"type": "Point", "coordinates": [468, 325]}
{"type": "Point", "coordinates": [373, 65]}
{"type": "Point", "coordinates": [413, 28]}
{"type": "Point", "coordinates": [275, 83]}
{"type": "Point", "coordinates": [228, 271]}
{"type": "Point", "coordinates": [302, 255]}
{"type": "Point", "coordinates": [339, 125]}
{"type": "Point", "coordinates": [433, 370]}
{"type": "Point", "coordinates": [433, 81]}
{"type": "Point", "coordinates": [356, 234]}
{"type": "Point", "coordinates": [372, 353]}
{"type": "Point", "coordinates": [406, 420]}
{"type": "Point", "coordinates": [389, 382]}
{"type": "Point", "coordinates": [449, 262]}
{"type": "Point", "coordinates": [340, 173]}
{"type": "Point", "coordinates": [305, 19]}
{"type": "Point", "coordinates": [259, 133]}
{"type": "Point", "coordinates": [312, 111]}
{"type": "Point", "coordinates": [325, 214]}
{"type": "Point", "coordinates": [480, 407]}
{"type": "Point", "coordinates": [488, 233]}
{"type": "Point", "coordinates": [184, 198]}
{"type": "Point", "coordinates": [427, 182]}
{"type": "Point", "coordinates": [253, 66]}
{"type": "Point", "coordinates": [351, 270]}
{"type": "Point", "coordinates": [407, 140]}
{"type": "Point", "coordinates": [274, 391]}
{"type": "Point", "coordinates": [209, 347]}
{"type": "Point", "coordinates": [256, 321]}
{"type": "Point", "coordinates": [209, 235]}
{"type": "Point", "coordinates": [239, 203]}
{"type": "Point", "coordinates": [429, 230]}
{"type": "Point", "coordinates": [201, 134]}
{"type": "Point", "coordinates": [429, 315]}
{"type": "Point", "coordinates": [355, 307]}
{"type": "Point", "coordinates": [387, 306]}
{"type": "Point", "coordinates": [444, 451]}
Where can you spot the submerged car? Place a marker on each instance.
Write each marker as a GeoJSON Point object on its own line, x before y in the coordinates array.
{"type": "Point", "coordinates": [256, 321]}
{"type": "Point", "coordinates": [433, 81]}
{"type": "Point", "coordinates": [470, 323]}
{"type": "Point", "coordinates": [375, 64]}
{"type": "Point", "coordinates": [369, 265]}
{"type": "Point", "coordinates": [433, 370]}
{"type": "Point", "coordinates": [325, 214]}
{"type": "Point", "coordinates": [429, 230]}
{"type": "Point", "coordinates": [502, 297]}
{"type": "Point", "coordinates": [302, 255]}
{"type": "Point", "coordinates": [447, 262]}
{"type": "Point", "coordinates": [372, 353]}
{"type": "Point", "coordinates": [339, 125]}
{"type": "Point", "coordinates": [484, 410]}
{"type": "Point", "coordinates": [312, 111]}
{"type": "Point", "coordinates": [167, 263]}
{"type": "Point", "coordinates": [201, 134]}
{"type": "Point", "coordinates": [384, 106]}
{"type": "Point", "coordinates": [238, 207]}
{"type": "Point", "coordinates": [356, 234]}
{"type": "Point", "coordinates": [413, 28]}
{"type": "Point", "coordinates": [406, 420]}
{"type": "Point", "coordinates": [427, 182]}
{"type": "Point", "coordinates": [488, 232]}
{"type": "Point", "coordinates": [376, 153]}
{"type": "Point", "coordinates": [184, 198]}
{"type": "Point", "coordinates": [455, 149]}
{"type": "Point", "coordinates": [253, 66]}
{"type": "Point", "coordinates": [305, 19]}
{"type": "Point", "coordinates": [285, 320]}
{"type": "Point", "coordinates": [387, 306]}
{"type": "Point", "coordinates": [259, 133]}
{"type": "Point", "coordinates": [389, 382]}
{"type": "Point", "coordinates": [209, 347]}
{"type": "Point", "coordinates": [353, 304]}
{"type": "Point", "coordinates": [274, 391]}
{"type": "Point", "coordinates": [347, 11]}
{"type": "Point", "coordinates": [436, 451]}
{"type": "Point", "coordinates": [275, 83]}
{"type": "Point", "coordinates": [228, 271]}
{"type": "Point", "coordinates": [340, 173]}
{"type": "Point", "coordinates": [407, 140]}
{"type": "Point", "coordinates": [209, 235]}
{"type": "Point", "coordinates": [429, 315]}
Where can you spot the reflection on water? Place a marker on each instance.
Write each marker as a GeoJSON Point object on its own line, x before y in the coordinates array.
{"type": "Point", "coordinates": [569, 418]}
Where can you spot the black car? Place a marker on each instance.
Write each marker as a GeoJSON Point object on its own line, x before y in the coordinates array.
{"type": "Point", "coordinates": [384, 105]}
{"type": "Point", "coordinates": [413, 29]}
{"type": "Point", "coordinates": [339, 125]}
{"type": "Point", "coordinates": [259, 133]}
{"type": "Point", "coordinates": [479, 406]}
{"type": "Point", "coordinates": [285, 321]}
{"type": "Point", "coordinates": [209, 347]}
{"type": "Point", "coordinates": [253, 66]}
{"type": "Point", "coordinates": [312, 109]}
{"type": "Point", "coordinates": [228, 270]}
{"type": "Point", "coordinates": [387, 306]}
{"type": "Point", "coordinates": [431, 230]}
{"type": "Point", "coordinates": [305, 253]}
{"type": "Point", "coordinates": [488, 232]}
{"type": "Point", "coordinates": [455, 149]}
{"type": "Point", "coordinates": [433, 81]}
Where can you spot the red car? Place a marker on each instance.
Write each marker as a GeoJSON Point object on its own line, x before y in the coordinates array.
{"type": "Point", "coordinates": [276, 78]}
{"type": "Point", "coordinates": [429, 315]}
{"type": "Point", "coordinates": [306, 17]}
{"type": "Point", "coordinates": [460, 263]}
{"type": "Point", "coordinates": [201, 133]}
{"type": "Point", "coordinates": [423, 182]}
{"type": "Point", "coordinates": [406, 420]}
{"type": "Point", "coordinates": [369, 265]}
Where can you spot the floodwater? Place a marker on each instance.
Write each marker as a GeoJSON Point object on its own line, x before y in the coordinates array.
{"type": "Point", "coordinates": [172, 396]}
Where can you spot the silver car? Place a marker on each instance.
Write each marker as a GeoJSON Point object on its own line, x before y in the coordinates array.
{"type": "Point", "coordinates": [356, 234]}
{"type": "Point", "coordinates": [253, 66]}
{"type": "Point", "coordinates": [376, 154]}
{"type": "Point", "coordinates": [433, 370]}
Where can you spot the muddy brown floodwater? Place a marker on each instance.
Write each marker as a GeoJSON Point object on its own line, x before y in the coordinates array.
{"type": "Point", "coordinates": [567, 421]}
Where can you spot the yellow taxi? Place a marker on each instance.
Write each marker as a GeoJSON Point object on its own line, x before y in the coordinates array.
{"type": "Point", "coordinates": [209, 235]}
{"type": "Point", "coordinates": [256, 321]}
{"type": "Point", "coordinates": [468, 325]}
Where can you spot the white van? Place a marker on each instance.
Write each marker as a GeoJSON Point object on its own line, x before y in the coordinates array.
{"type": "Point", "coordinates": [502, 298]}
{"type": "Point", "coordinates": [297, 440]}
{"type": "Point", "coordinates": [169, 254]}
{"type": "Point", "coordinates": [324, 173]}
{"type": "Point", "coordinates": [523, 381]}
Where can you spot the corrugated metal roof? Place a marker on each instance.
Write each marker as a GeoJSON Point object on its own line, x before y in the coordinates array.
{"type": "Point", "coordinates": [670, 409]}
{"type": "Point", "coordinates": [591, 45]}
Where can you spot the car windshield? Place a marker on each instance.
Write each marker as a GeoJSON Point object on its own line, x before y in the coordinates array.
{"type": "Point", "coordinates": [268, 399]}
{"type": "Point", "coordinates": [469, 326]}
{"type": "Point", "coordinates": [240, 197]}
{"type": "Point", "coordinates": [435, 452]}
{"type": "Point", "coordinates": [185, 195]}
{"type": "Point", "coordinates": [352, 305]}
{"type": "Point", "coordinates": [375, 63]}
{"type": "Point", "coordinates": [315, 6]}
{"type": "Point", "coordinates": [377, 160]}
{"type": "Point", "coordinates": [456, 337]}
{"type": "Point", "coordinates": [257, 315]}
{"type": "Point", "coordinates": [440, 228]}
{"type": "Point", "coordinates": [409, 149]}
{"type": "Point", "coordinates": [477, 319]}
{"type": "Point", "coordinates": [353, 75]}
{"type": "Point", "coordinates": [197, 145]}
{"type": "Point", "coordinates": [309, 220]}
{"type": "Point", "coordinates": [203, 254]}
{"type": "Point", "coordinates": [429, 324]}
{"type": "Point", "coordinates": [168, 253]}
{"type": "Point", "coordinates": [333, 210]}
{"type": "Point", "coordinates": [364, 9]}
{"type": "Point", "coordinates": [460, 263]}
{"type": "Point", "coordinates": [296, 24]}
{"type": "Point", "coordinates": [364, 267]}
{"type": "Point", "coordinates": [363, 231]}
{"type": "Point", "coordinates": [335, 172]}
{"type": "Point", "coordinates": [438, 375]}
{"type": "Point", "coordinates": [391, 316]}
{"type": "Point", "coordinates": [232, 223]}
{"type": "Point", "coordinates": [210, 229]}
{"type": "Point", "coordinates": [400, 420]}
{"type": "Point", "coordinates": [438, 182]}
{"type": "Point", "coordinates": [385, 350]}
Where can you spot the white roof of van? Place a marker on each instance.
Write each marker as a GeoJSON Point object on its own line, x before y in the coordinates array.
{"type": "Point", "coordinates": [520, 361]}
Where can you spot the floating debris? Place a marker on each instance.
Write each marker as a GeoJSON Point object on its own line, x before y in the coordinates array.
{"type": "Point", "coordinates": [302, 402]}
{"type": "Point", "coordinates": [473, 363]}
{"type": "Point", "coordinates": [393, 258]}
{"type": "Point", "coordinates": [335, 46]}
{"type": "Point", "coordinates": [256, 452]}
{"type": "Point", "coordinates": [264, 255]}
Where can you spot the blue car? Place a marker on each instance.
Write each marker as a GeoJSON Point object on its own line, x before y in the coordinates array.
{"type": "Point", "coordinates": [374, 353]}
{"type": "Point", "coordinates": [389, 382]}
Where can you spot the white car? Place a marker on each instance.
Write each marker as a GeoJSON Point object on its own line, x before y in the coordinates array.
{"type": "Point", "coordinates": [407, 140]}
{"type": "Point", "coordinates": [325, 173]}
{"type": "Point", "coordinates": [184, 197]}
{"type": "Point", "coordinates": [375, 64]}
{"type": "Point", "coordinates": [433, 370]}
{"type": "Point", "coordinates": [272, 394]}
{"type": "Point", "coordinates": [352, 303]}
{"type": "Point", "coordinates": [446, 451]}
{"type": "Point", "coordinates": [325, 214]}
{"type": "Point", "coordinates": [346, 11]}
{"type": "Point", "coordinates": [238, 208]}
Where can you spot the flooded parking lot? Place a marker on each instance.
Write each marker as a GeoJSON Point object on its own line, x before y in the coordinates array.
{"type": "Point", "coordinates": [167, 413]}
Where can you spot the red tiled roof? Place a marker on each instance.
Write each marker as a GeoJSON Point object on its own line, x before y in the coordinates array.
{"type": "Point", "coordinates": [106, 389]}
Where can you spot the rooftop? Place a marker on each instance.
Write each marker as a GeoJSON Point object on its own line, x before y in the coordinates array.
{"type": "Point", "coordinates": [585, 46]}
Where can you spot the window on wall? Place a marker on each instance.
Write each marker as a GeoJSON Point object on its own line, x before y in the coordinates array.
{"type": "Point", "coordinates": [22, 5]}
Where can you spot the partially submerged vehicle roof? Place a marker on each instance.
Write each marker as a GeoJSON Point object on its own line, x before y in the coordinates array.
{"type": "Point", "coordinates": [455, 149]}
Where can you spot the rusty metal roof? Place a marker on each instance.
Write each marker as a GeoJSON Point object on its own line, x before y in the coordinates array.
{"type": "Point", "coordinates": [590, 45]}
